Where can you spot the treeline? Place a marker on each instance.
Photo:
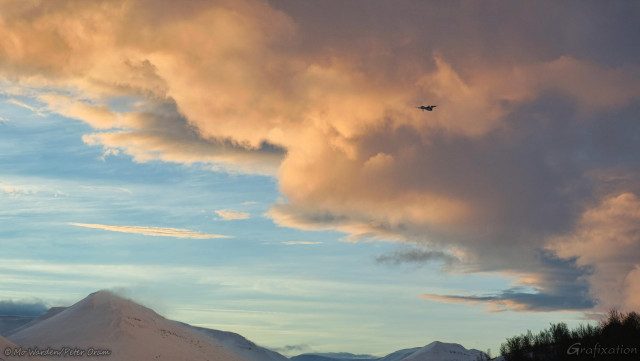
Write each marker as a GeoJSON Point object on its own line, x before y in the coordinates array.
{"type": "Point", "coordinates": [616, 338]}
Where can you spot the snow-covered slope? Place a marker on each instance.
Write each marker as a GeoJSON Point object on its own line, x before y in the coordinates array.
{"type": "Point", "coordinates": [440, 351]}
{"type": "Point", "coordinates": [400, 355]}
{"type": "Point", "coordinates": [33, 320]}
{"type": "Point", "coordinates": [241, 346]}
{"type": "Point", "coordinates": [10, 323]}
{"type": "Point", "coordinates": [130, 331]}
{"type": "Point", "coordinates": [333, 356]}
{"type": "Point", "coordinates": [435, 351]}
{"type": "Point", "coordinates": [14, 352]}
{"type": "Point", "coordinates": [5, 344]}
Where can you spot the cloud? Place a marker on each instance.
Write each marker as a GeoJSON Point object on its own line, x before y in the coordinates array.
{"type": "Point", "coordinates": [107, 188]}
{"type": "Point", "coordinates": [418, 256]}
{"type": "Point", "coordinates": [536, 123]}
{"type": "Point", "coordinates": [152, 231]}
{"type": "Point", "coordinates": [607, 239]}
{"type": "Point", "coordinates": [98, 116]}
{"type": "Point", "coordinates": [295, 243]}
{"type": "Point", "coordinates": [516, 299]}
{"type": "Point", "coordinates": [14, 190]}
{"type": "Point", "coordinates": [23, 105]}
{"type": "Point", "coordinates": [16, 308]}
{"type": "Point", "coordinates": [554, 284]}
{"type": "Point", "coordinates": [229, 215]}
{"type": "Point", "coordinates": [21, 271]}
{"type": "Point", "coordinates": [160, 132]}
{"type": "Point", "coordinates": [291, 350]}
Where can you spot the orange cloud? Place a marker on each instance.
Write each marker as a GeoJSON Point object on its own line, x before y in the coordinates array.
{"type": "Point", "coordinates": [607, 239]}
{"type": "Point", "coordinates": [98, 116]}
{"type": "Point", "coordinates": [229, 215]}
{"type": "Point", "coordinates": [497, 169]}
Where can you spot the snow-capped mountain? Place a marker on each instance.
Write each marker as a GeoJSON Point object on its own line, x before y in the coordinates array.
{"type": "Point", "coordinates": [9, 351]}
{"type": "Point", "coordinates": [400, 354]}
{"type": "Point", "coordinates": [9, 323]}
{"type": "Point", "coordinates": [30, 321]}
{"type": "Point", "coordinates": [435, 351]}
{"type": "Point", "coordinates": [128, 331]}
{"type": "Point", "coordinates": [440, 351]}
{"type": "Point", "coordinates": [333, 356]}
{"type": "Point", "coordinates": [241, 346]}
{"type": "Point", "coordinates": [105, 321]}
{"type": "Point", "coordinates": [5, 344]}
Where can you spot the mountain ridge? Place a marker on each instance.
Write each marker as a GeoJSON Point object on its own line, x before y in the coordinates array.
{"type": "Point", "coordinates": [435, 351]}
{"type": "Point", "coordinates": [129, 331]}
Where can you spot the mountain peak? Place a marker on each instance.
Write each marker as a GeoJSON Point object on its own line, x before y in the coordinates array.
{"type": "Point", "coordinates": [438, 345]}
{"type": "Point", "coordinates": [130, 331]}
{"type": "Point", "coordinates": [106, 297]}
{"type": "Point", "coordinates": [441, 351]}
{"type": "Point", "coordinates": [104, 294]}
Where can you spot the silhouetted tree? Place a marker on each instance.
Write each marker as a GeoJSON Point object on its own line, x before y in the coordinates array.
{"type": "Point", "coordinates": [616, 338]}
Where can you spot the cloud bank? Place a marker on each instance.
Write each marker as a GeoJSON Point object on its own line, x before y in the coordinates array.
{"type": "Point", "coordinates": [15, 308]}
{"type": "Point", "coordinates": [529, 160]}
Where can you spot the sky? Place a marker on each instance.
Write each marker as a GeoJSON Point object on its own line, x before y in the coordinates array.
{"type": "Point", "coordinates": [260, 166]}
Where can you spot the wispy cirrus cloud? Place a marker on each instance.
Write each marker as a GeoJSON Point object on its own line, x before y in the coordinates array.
{"type": "Point", "coordinates": [295, 243]}
{"type": "Point", "coordinates": [24, 105]}
{"type": "Point", "coordinates": [416, 256]}
{"type": "Point", "coordinates": [152, 231]}
{"type": "Point", "coordinates": [229, 215]}
{"type": "Point", "coordinates": [15, 189]}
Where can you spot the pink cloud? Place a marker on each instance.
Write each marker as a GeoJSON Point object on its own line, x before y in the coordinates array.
{"type": "Point", "coordinates": [502, 170]}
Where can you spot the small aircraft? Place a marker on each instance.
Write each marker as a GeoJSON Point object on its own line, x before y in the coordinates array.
{"type": "Point", "coordinates": [428, 107]}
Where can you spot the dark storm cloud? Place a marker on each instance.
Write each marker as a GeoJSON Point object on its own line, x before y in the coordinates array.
{"type": "Point", "coordinates": [555, 284]}
{"type": "Point", "coordinates": [498, 31]}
